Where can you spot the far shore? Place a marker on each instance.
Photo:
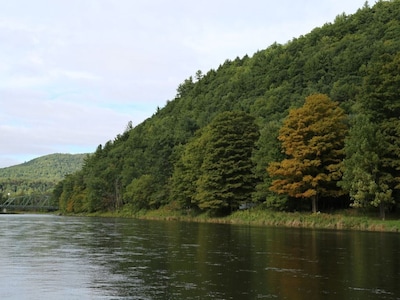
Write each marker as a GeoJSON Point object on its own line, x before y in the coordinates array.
{"type": "Point", "coordinates": [343, 220]}
{"type": "Point", "coordinates": [349, 219]}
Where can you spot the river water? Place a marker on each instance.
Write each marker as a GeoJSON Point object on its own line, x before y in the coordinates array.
{"type": "Point", "coordinates": [57, 257]}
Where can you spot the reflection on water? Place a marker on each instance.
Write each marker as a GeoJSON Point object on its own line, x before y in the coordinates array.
{"type": "Point", "coordinates": [54, 257]}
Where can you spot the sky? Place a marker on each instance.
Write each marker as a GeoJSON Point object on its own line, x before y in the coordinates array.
{"type": "Point", "coordinates": [73, 73]}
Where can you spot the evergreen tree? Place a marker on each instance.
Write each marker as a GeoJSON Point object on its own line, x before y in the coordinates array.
{"type": "Point", "coordinates": [380, 98]}
{"type": "Point", "coordinates": [227, 178]}
{"type": "Point", "coordinates": [380, 101]}
{"type": "Point", "coordinates": [268, 150]}
{"type": "Point", "coordinates": [312, 137]}
{"type": "Point", "coordinates": [187, 171]}
{"type": "Point", "coordinates": [364, 175]}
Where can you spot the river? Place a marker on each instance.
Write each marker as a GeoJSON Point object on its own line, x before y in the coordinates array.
{"type": "Point", "coordinates": [58, 257]}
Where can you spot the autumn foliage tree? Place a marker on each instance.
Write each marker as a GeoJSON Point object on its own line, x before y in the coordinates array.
{"type": "Point", "coordinates": [312, 138]}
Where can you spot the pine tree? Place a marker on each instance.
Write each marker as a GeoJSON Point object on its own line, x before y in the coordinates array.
{"type": "Point", "coordinates": [227, 178]}
{"type": "Point", "coordinates": [187, 171]}
{"type": "Point", "coordinates": [364, 176]}
{"type": "Point", "coordinates": [379, 101]}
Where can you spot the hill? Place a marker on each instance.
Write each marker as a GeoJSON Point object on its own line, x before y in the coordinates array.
{"type": "Point", "coordinates": [40, 174]}
{"type": "Point", "coordinates": [174, 158]}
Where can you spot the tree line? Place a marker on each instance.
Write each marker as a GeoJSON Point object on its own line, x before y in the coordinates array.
{"type": "Point", "coordinates": [311, 124]}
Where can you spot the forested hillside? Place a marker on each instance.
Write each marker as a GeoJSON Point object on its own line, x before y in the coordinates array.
{"type": "Point", "coordinates": [39, 175]}
{"type": "Point", "coordinates": [242, 132]}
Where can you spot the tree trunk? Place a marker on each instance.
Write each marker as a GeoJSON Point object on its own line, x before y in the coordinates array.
{"type": "Point", "coordinates": [118, 200]}
{"type": "Point", "coordinates": [314, 204]}
{"type": "Point", "coordinates": [382, 210]}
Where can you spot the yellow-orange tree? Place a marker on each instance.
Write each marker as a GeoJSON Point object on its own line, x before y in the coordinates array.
{"type": "Point", "coordinates": [312, 138]}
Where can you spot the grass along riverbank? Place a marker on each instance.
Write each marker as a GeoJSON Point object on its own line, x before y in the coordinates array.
{"type": "Point", "coordinates": [343, 220]}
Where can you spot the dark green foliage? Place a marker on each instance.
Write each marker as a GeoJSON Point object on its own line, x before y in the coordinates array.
{"type": "Point", "coordinates": [187, 171]}
{"type": "Point", "coordinates": [372, 173]}
{"type": "Point", "coordinates": [364, 176]}
{"type": "Point", "coordinates": [380, 96]}
{"type": "Point", "coordinates": [226, 173]}
{"type": "Point", "coordinates": [215, 170]}
{"type": "Point", "coordinates": [353, 60]}
{"type": "Point", "coordinates": [268, 149]}
{"type": "Point", "coordinates": [140, 193]}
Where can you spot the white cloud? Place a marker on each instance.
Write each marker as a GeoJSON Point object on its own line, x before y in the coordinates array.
{"type": "Point", "coordinates": [73, 73]}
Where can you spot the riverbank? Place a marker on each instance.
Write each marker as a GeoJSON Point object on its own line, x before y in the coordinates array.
{"type": "Point", "coordinates": [344, 220]}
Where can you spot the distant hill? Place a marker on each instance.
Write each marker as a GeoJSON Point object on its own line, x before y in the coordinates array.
{"type": "Point", "coordinates": [39, 174]}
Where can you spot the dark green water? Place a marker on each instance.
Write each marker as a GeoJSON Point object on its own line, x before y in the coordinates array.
{"type": "Point", "coordinates": [52, 257]}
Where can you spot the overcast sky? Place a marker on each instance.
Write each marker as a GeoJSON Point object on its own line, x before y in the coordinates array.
{"type": "Point", "coordinates": [73, 73]}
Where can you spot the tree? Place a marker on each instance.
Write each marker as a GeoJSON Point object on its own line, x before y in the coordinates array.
{"type": "Point", "coordinates": [312, 138]}
{"type": "Point", "coordinates": [391, 161]}
{"type": "Point", "coordinates": [187, 171]}
{"type": "Point", "coordinates": [227, 177]}
{"type": "Point", "coordinates": [380, 98]}
{"type": "Point", "coordinates": [268, 149]}
{"type": "Point", "coordinates": [381, 103]}
{"type": "Point", "coordinates": [140, 192]}
{"type": "Point", "coordinates": [364, 176]}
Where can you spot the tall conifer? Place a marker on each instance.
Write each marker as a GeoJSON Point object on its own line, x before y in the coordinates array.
{"type": "Point", "coordinates": [227, 172]}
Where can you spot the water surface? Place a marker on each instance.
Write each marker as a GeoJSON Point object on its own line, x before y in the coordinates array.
{"type": "Point", "coordinates": [56, 257]}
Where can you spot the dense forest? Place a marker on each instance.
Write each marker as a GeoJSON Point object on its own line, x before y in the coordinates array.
{"type": "Point", "coordinates": [312, 124]}
{"type": "Point", "coordinates": [39, 175]}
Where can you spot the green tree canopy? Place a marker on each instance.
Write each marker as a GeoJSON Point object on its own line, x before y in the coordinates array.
{"type": "Point", "coordinates": [188, 170]}
{"type": "Point", "coordinates": [227, 176]}
{"type": "Point", "coordinates": [140, 192]}
{"type": "Point", "coordinates": [372, 165]}
{"type": "Point", "coordinates": [364, 176]}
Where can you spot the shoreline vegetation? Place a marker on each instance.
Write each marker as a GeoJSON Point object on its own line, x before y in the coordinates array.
{"type": "Point", "coordinates": [344, 220]}
{"type": "Point", "coordinates": [349, 219]}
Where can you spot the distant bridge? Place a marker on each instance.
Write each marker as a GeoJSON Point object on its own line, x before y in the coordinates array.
{"type": "Point", "coordinates": [28, 203]}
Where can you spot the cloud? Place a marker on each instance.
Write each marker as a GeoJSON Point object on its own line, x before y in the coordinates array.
{"type": "Point", "coordinates": [74, 73]}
